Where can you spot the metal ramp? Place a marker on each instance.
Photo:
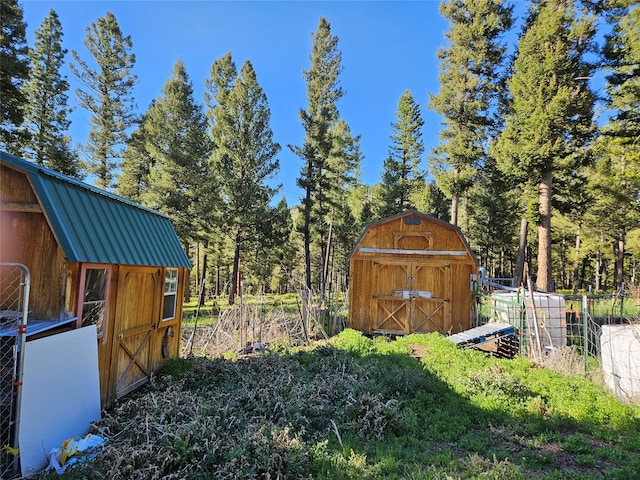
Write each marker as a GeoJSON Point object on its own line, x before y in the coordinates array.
{"type": "Point", "coordinates": [482, 334]}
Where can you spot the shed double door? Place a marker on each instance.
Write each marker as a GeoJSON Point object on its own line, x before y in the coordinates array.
{"type": "Point", "coordinates": [136, 319]}
{"type": "Point", "coordinates": [411, 297]}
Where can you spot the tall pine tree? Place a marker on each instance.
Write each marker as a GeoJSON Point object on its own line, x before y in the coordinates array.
{"type": "Point", "coordinates": [340, 181]}
{"type": "Point", "coordinates": [329, 151]}
{"type": "Point", "coordinates": [552, 112]}
{"type": "Point", "coordinates": [615, 179]}
{"type": "Point", "coordinates": [175, 141]}
{"type": "Point", "coordinates": [469, 91]}
{"type": "Point", "coordinates": [108, 95]}
{"type": "Point", "coordinates": [244, 157]}
{"type": "Point", "coordinates": [46, 117]}
{"type": "Point", "coordinates": [401, 172]}
{"type": "Point", "coordinates": [14, 70]}
{"type": "Point", "coordinates": [132, 181]}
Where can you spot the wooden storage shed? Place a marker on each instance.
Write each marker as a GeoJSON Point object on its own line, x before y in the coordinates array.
{"type": "Point", "coordinates": [411, 273]}
{"type": "Point", "coordinates": [95, 258]}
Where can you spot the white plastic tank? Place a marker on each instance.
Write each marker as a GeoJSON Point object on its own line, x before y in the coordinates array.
{"type": "Point", "coordinates": [620, 349]}
{"type": "Point", "coordinates": [544, 322]}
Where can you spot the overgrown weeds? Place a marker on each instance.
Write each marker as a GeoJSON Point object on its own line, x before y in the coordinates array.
{"type": "Point", "coordinates": [357, 408]}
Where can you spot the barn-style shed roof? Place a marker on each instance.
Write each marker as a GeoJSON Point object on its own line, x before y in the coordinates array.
{"type": "Point", "coordinates": [415, 217]}
{"type": "Point", "coordinates": [96, 226]}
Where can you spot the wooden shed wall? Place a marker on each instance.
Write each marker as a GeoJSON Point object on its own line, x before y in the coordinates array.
{"type": "Point", "coordinates": [27, 238]}
{"type": "Point", "coordinates": [137, 341]}
{"type": "Point", "coordinates": [378, 278]}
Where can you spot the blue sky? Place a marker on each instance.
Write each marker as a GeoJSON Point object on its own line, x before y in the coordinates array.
{"type": "Point", "coordinates": [387, 47]}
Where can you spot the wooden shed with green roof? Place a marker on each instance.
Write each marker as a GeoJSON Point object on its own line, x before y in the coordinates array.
{"type": "Point", "coordinates": [96, 258]}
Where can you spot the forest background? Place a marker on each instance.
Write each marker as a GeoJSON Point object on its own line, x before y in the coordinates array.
{"type": "Point", "coordinates": [533, 163]}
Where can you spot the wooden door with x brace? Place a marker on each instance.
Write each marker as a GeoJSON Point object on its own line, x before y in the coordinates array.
{"type": "Point", "coordinates": [136, 318]}
{"type": "Point", "coordinates": [411, 297]}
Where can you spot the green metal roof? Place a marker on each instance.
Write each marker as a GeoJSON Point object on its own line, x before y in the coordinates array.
{"type": "Point", "coordinates": [96, 226]}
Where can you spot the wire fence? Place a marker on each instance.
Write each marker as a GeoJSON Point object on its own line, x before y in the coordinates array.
{"type": "Point", "coordinates": [14, 307]}
{"type": "Point", "coordinates": [264, 323]}
{"type": "Point", "coordinates": [547, 323]}
{"type": "Point", "coordinates": [538, 318]}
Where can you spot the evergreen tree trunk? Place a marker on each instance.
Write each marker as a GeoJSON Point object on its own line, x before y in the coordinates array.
{"type": "Point", "coordinates": [187, 283]}
{"type": "Point", "coordinates": [217, 280]}
{"type": "Point", "coordinates": [197, 275]}
{"type": "Point", "coordinates": [454, 209]}
{"type": "Point", "coordinates": [522, 248]}
{"type": "Point", "coordinates": [201, 292]}
{"type": "Point", "coordinates": [321, 226]}
{"type": "Point", "coordinates": [325, 249]}
{"type": "Point", "coordinates": [576, 264]}
{"type": "Point", "coordinates": [486, 256]}
{"type": "Point", "coordinates": [307, 238]}
{"type": "Point", "coordinates": [543, 277]}
{"type": "Point", "coordinates": [235, 274]}
{"type": "Point", "coordinates": [455, 199]}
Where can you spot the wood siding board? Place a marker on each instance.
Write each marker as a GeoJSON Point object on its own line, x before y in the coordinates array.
{"type": "Point", "coordinates": [41, 256]}
{"type": "Point", "coordinates": [163, 325]}
{"type": "Point", "coordinates": [20, 207]}
{"type": "Point", "coordinates": [396, 251]}
{"type": "Point", "coordinates": [447, 304]}
{"type": "Point", "coordinates": [391, 312]}
{"type": "Point", "coordinates": [429, 316]}
{"type": "Point", "coordinates": [15, 187]}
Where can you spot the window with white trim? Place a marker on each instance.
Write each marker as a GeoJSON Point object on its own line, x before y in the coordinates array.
{"type": "Point", "coordinates": [170, 293]}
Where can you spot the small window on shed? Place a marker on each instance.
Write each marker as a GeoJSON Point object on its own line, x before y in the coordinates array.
{"type": "Point", "coordinates": [170, 293]}
{"type": "Point", "coordinates": [94, 291]}
{"type": "Point", "coordinates": [412, 220]}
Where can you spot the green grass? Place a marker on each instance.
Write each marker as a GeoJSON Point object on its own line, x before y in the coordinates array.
{"type": "Point", "coordinates": [609, 307]}
{"type": "Point", "coordinates": [361, 408]}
